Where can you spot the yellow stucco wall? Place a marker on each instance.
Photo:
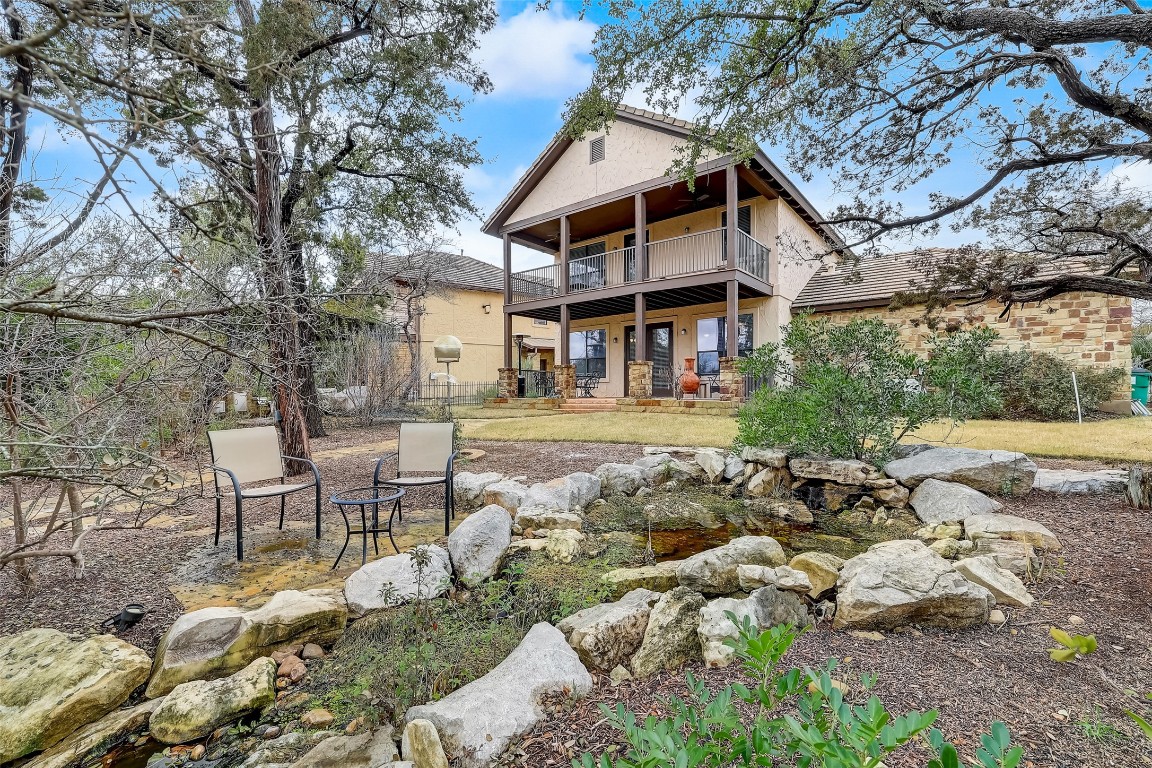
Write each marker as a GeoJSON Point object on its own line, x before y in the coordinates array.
{"type": "Point", "coordinates": [461, 313]}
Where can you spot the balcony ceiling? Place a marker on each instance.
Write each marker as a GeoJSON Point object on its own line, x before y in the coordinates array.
{"type": "Point", "coordinates": [673, 298]}
{"type": "Point", "coordinates": [662, 203]}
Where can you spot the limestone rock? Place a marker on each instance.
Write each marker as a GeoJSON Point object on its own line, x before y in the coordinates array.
{"type": "Point", "coordinates": [393, 580]}
{"type": "Point", "coordinates": [1072, 481]}
{"type": "Point", "coordinates": [421, 744]}
{"type": "Point", "coordinates": [504, 493]}
{"type": "Point", "coordinates": [660, 577]}
{"type": "Point", "coordinates": [625, 479]}
{"type": "Point", "coordinates": [1000, 472]}
{"type": "Point", "coordinates": [782, 577]}
{"type": "Point", "coordinates": [936, 501]}
{"type": "Point", "coordinates": [895, 496]}
{"type": "Point", "coordinates": [902, 582]}
{"type": "Point", "coordinates": [822, 569]}
{"type": "Point", "coordinates": [713, 572]}
{"type": "Point", "coordinates": [767, 457]}
{"type": "Point", "coordinates": [51, 685]}
{"type": "Point", "coordinates": [468, 488]}
{"type": "Point", "coordinates": [476, 722]}
{"type": "Point", "coordinates": [1002, 583]}
{"type": "Point", "coordinates": [765, 607]}
{"type": "Point", "coordinates": [215, 642]}
{"type": "Point", "coordinates": [563, 546]}
{"type": "Point", "coordinates": [477, 546]}
{"type": "Point", "coordinates": [950, 548]}
{"type": "Point", "coordinates": [1015, 556]}
{"type": "Point", "coordinates": [670, 638]}
{"type": "Point", "coordinates": [1011, 527]}
{"type": "Point", "coordinates": [713, 464]}
{"type": "Point", "coordinates": [370, 749]}
{"type": "Point", "coordinates": [768, 482]}
{"type": "Point", "coordinates": [586, 488]}
{"type": "Point", "coordinates": [194, 709]}
{"type": "Point", "coordinates": [733, 467]}
{"type": "Point", "coordinates": [936, 532]}
{"type": "Point", "coordinates": [95, 739]}
{"type": "Point", "coordinates": [840, 471]}
{"type": "Point", "coordinates": [565, 494]}
{"type": "Point", "coordinates": [762, 512]}
{"type": "Point", "coordinates": [537, 518]}
{"type": "Point", "coordinates": [606, 635]}
{"type": "Point", "coordinates": [317, 718]}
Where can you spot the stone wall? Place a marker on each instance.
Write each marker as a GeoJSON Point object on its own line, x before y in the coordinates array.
{"type": "Point", "coordinates": [506, 385]}
{"type": "Point", "coordinates": [640, 378]}
{"type": "Point", "coordinates": [683, 407]}
{"type": "Point", "coordinates": [731, 380]}
{"type": "Point", "coordinates": [1082, 328]}
{"type": "Point", "coordinates": [566, 381]}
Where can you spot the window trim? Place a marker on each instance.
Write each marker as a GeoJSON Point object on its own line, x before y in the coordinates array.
{"type": "Point", "coordinates": [573, 358]}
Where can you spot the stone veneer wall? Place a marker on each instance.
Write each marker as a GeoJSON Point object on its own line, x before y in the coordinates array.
{"type": "Point", "coordinates": [731, 380]}
{"type": "Point", "coordinates": [640, 379]}
{"type": "Point", "coordinates": [506, 384]}
{"type": "Point", "coordinates": [566, 381]}
{"type": "Point", "coordinates": [1082, 328]}
{"type": "Point", "coordinates": [683, 407]}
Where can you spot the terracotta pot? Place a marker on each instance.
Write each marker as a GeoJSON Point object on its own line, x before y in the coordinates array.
{"type": "Point", "coordinates": [689, 381]}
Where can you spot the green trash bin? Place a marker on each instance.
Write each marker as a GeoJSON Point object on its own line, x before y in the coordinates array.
{"type": "Point", "coordinates": [1140, 380]}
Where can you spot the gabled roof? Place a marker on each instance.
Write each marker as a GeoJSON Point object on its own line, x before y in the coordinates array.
{"type": "Point", "coordinates": [455, 270]}
{"type": "Point", "coordinates": [772, 175]}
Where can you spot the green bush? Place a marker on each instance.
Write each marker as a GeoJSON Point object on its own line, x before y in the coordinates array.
{"type": "Point", "coordinates": [853, 390]}
{"type": "Point", "coordinates": [1037, 386]}
{"type": "Point", "coordinates": [797, 717]}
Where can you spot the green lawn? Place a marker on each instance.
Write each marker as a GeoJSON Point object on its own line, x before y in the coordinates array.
{"type": "Point", "coordinates": [1115, 440]}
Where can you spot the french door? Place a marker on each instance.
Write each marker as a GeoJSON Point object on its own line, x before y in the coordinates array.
{"type": "Point", "coordinates": [659, 348]}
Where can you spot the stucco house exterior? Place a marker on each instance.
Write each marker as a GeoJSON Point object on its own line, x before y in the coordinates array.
{"type": "Point", "coordinates": [691, 268]}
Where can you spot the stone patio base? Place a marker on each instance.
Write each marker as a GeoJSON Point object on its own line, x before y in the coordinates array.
{"type": "Point", "coordinates": [671, 405]}
{"type": "Point", "coordinates": [524, 403]}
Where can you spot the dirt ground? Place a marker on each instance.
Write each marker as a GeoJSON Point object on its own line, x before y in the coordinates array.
{"type": "Point", "coordinates": [1064, 714]}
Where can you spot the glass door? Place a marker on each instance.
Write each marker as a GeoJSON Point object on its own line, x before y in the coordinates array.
{"type": "Point", "coordinates": [660, 352]}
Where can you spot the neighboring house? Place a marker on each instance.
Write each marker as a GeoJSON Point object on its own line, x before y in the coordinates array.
{"type": "Point", "coordinates": [691, 268]}
{"type": "Point", "coordinates": [1082, 328]}
{"type": "Point", "coordinates": [466, 302]}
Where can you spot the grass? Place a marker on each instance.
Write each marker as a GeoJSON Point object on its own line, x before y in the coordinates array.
{"type": "Point", "coordinates": [1112, 440]}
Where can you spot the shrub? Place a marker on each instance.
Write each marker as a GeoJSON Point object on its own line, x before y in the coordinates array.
{"type": "Point", "coordinates": [1037, 386]}
{"type": "Point", "coordinates": [800, 716]}
{"type": "Point", "coordinates": [853, 390]}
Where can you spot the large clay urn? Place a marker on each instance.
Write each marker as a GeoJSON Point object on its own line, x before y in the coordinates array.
{"type": "Point", "coordinates": [689, 381]}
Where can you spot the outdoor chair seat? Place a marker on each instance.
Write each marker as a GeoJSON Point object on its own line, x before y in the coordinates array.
{"type": "Point", "coordinates": [267, 490]}
{"type": "Point", "coordinates": [402, 481]}
{"type": "Point", "coordinates": [422, 448]}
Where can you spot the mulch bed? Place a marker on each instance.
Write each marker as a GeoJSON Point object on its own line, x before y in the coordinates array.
{"type": "Point", "coordinates": [972, 677]}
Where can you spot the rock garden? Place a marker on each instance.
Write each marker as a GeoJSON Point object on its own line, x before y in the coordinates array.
{"type": "Point", "coordinates": [490, 645]}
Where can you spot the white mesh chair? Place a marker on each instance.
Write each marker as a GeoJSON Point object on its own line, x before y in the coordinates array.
{"type": "Point", "coordinates": [252, 455]}
{"type": "Point", "coordinates": [423, 448]}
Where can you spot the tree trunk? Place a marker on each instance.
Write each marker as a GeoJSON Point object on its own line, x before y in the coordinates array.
{"type": "Point", "coordinates": [15, 136]}
{"type": "Point", "coordinates": [306, 336]}
{"type": "Point", "coordinates": [1140, 487]}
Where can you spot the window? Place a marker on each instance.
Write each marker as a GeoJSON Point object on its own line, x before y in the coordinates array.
{"type": "Point", "coordinates": [538, 321]}
{"type": "Point", "coordinates": [711, 344]}
{"type": "Point", "coordinates": [743, 219]}
{"type": "Point", "coordinates": [596, 150]}
{"type": "Point", "coordinates": [589, 351]}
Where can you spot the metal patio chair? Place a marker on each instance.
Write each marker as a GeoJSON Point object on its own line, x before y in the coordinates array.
{"type": "Point", "coordinates": [252, 455]}
{"type": "Point", "coordinates": [423, 448]}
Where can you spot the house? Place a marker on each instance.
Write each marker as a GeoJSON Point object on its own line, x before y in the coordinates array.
{"type": "Point", "coordinates": [1082, 328]}
{"type": "Point", "coordinates": [650, 273]}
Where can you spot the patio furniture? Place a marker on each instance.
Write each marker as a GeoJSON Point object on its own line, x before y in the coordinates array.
{"type": "Point", "coordinates": [423, 448]}
{"type": "Point", "coordinates": [709, 385]}
{"type": "Point", "coordinates": [586, 384]}
{"type": "Point", "coordinates": [364, 498]}
{"type": "Point", "coordinates": [252, 455]}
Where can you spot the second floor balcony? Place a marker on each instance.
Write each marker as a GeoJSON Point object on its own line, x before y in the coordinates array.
{"type": "Point", "coordinates": [695, 254]}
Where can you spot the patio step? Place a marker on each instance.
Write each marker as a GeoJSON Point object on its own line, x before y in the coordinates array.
{"type": "Point", "coordinates": [589, 405]}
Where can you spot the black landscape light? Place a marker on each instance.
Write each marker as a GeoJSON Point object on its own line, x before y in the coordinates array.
{"type": "Point", "coordinates": [126, 619]}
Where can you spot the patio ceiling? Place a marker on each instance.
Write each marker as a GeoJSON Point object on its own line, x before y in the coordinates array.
{"type": "Point", "coordinates": [671, 298]}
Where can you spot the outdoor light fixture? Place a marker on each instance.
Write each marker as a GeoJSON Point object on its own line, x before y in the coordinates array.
{"type": "Point", "coordinates": [128, 617]}
{"type": "Point", "coordinates": [519, 339]}
{"type": "Point", "coordinates": [615, 339]}
{"type": "Point", "coordinates": [447, 350]}
{"type": "Point", "coordinates": [487, 309]}
{"type": "Point", "coordinates": [683, 331]}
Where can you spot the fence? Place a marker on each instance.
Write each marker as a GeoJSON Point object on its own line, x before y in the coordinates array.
{"type": "Point", "coordinates": [754, 382]}
{"type": "Point", "coordinates": [460, 393]}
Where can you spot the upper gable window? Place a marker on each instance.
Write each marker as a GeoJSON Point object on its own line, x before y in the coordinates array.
{"type": "Point", "coordinates": [596, 150]}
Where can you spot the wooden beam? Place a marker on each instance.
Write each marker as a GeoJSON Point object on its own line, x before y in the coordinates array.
{"type": "Point", "coordinates": [565, 244]}
{"type": "Point", "coordinates": [565, 351]}
{"type": "Point", "coordinates": [641, 332]}
{"type": "Point", "coordinates": [507, 299]}
{"type": "Point", "coordinates": [733, 319]}
{"type": "Point", "coordinates": [641, 237]}
{"type": "Point", "coordinates": [732, 200]}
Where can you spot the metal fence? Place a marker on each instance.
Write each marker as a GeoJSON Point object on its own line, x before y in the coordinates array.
{"type": "Point", "coordinates": [460, 393]}
{"type": "Point", "coordinates": [754, 382]}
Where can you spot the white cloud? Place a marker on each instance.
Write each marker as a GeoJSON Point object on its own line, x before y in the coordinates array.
{"type": "Point", "coordinates": [538, 53]}
{"type": "Point", "coordinates": [1135, 175]}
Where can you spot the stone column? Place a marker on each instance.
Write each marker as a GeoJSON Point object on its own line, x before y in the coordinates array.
{"type": "Point", "coordinates": [731, 380]}
{"type": "Point", "coordinates": [640, 379]}
{"type": "Point", "coordinates": [566, 381]}
{"type": "Point", "coordinates": [506, 386]}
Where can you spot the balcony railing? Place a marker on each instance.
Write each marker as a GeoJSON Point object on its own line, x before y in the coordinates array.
{"type": "Point", "coordinates": [696, 253]}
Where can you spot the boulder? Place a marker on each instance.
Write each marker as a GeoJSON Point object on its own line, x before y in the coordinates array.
{"type": "Point", "coordinates": [1002, 583]}
{"type": "Point", "coordinates": [937, 501]}
{"type": "Point", "coordinates": [1010, 527]}
{"type": "Point", "coordinates": [1072, 481]}
{"type": "Point", "coordinates": [194, 709]}
{"type": "Point", "coordinates": [1015, 556]}
{"type": "Point", "coordinates": [931, 533]}
{"type": "Point", "coordinates": [950, 548]}
{"type": "Point", "coordinates": [51, 685]}
{"type": "Point", "coordinates": [895, 496]}
{"type": "Point", "coordinates": [395, 580]}
{"type": "Point", "coordinates": [370, 749]}
{"type": "Point", "coordinates": [216, 642]}
{"type": "Point", "coordinates": [564, 545]}
{"type": "Point", "coordinates": [504, 493]}
{"type": "Point", "coordinates": [902, 582]}
{"type": "Point", "coordinates": [421, 744]}
{"type": "Point", "coordinates": [713, 572]}
{"type": "Point", "coordinates": [733, 467]}
{"type": "Point", "coordinates": [713, 464]}
{"type": "Point", "coordinates": [671, 638]}
{"type": "Point", "coordinates": [94, 740]}
{"type": "Point", "coordinates": [476, 722]}
{"type": "Point", "coordinates": [782, 577]}
{"type": "Point", "coordinates": [765, 457]}
{"type": "Point", "coordinates": [840, 471]}
{"type": "Point", "coordinates": [625, 479]}
{"type": "Point", "coordinates": [672, 512]}
{"type": "Point", "coordinates": [1004, 473]}
{"type": "Point", "coordinates": [660, 577]}
{"type": "Point", "coordinates": [537, 518]}
{"type": "Point", "coordinates": [565, 494]}
{"type": "Point", "coordinates": [766, 607]}
{"type": "Point", "coordinates": [606, 635]}
{"type": "Point", "coordinates": [822, 569]}
{"type": "Point", "coordinates": [468, 488]}
{"type": "Point", "coordinates": [478, 544]}
{"type": "Point", "coordinates": [768, 482]}
{"type": "Point", "coordinates": [662, 468]}
{"type": "Point", "coordinates": [763, 514]}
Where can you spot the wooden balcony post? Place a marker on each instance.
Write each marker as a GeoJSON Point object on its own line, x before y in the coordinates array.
{"type": "Point", "coordinates": [641, 332]}
{"type": "Point", "coordinates": [565, 237]}
{"type": "Point", "coordinates": [733, 319]}
{"type": "Point", "coordinates": [507, 299]}
{"type": "Point", "coordinates": [732, 200]}
{"type": "Point", "coordinates": [641, 238]}
{"type": "Point", "coordinates": [565, 352]}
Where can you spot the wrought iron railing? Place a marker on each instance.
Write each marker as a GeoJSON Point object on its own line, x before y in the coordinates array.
{"type": "Point", "coordinates": [602, 270]}
{"type": "Point", "coordinates": [686, 254]}
{"type": "Point", "coordinates": [538, 384]}
{"type": "Point", "coordinates": [538, 283]}
{"type": "Point", "coordinates": [752, 256]}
